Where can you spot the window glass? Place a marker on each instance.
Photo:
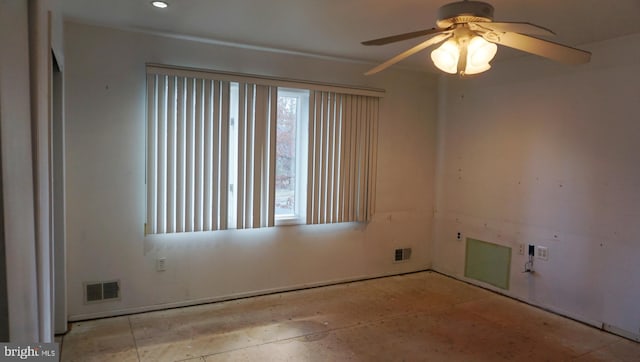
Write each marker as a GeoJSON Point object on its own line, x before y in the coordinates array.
{"type": "Point", "coordinates": [286, 156]}
{"type": "Point", "coordinates": [290, 153]}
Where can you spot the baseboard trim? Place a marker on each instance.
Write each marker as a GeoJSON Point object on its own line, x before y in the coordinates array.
{"type": "Point", "coordinates": [189, 303]}
{"type": "Point", "coordinates": [135, 310]}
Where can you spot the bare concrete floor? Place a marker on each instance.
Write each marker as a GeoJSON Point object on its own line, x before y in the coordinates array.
{"type": "Point", "coordinates": [417, 317]}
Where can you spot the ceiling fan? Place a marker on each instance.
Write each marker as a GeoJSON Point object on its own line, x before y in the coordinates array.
{"type": "Point", "coordinates": [469, 36]}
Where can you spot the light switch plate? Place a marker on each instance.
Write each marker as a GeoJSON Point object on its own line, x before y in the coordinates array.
{"type": "Point", "coordinates": [542, 253]}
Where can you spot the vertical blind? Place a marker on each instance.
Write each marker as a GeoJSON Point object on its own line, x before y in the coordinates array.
{"type": "Point", "coordinates": [256, 155]}
{"type": "Point", "coordinates": [187, 148]}
{"type": "Point", "coordinates": [189, 170]}
{"type": "Point", "coordinates": [342, 157]}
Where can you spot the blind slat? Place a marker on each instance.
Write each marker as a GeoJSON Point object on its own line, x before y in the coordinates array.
{"type": "Point", "coordinates": [344, 159]}
{"type": "Point", "coordinates": [317, 164]}
{"type": "Point", "coordinates": [207, 223]}
{"type": "Point", "coordinates": [311, 157]}
{"type": "Point", "coordinates": [337, 167]}
{"type": "Point", "coordinates": [249, 152]}
{"type": "Point", "coordinates": [180, 156]}
{"type": "Point", "coordinates": [215, 159]}
{"type": "Point", "coordinates": [330, 121]}
{"type": "Point", "coordinates": [241, 187]}
{"type": "Point", "coordinates": [353, 157]}
{"type": "Point", "coordinates": [324, 146]}
{"type": "Point", "coordinates": [198, 159]}
{"type": "Point", "coordinates": [162, 154]}
{"type": "Point", "coordinates": [152, 151]}
{"type": "Point", "coordinates": [374, 158]}
{"type": "Point", "coordinates": [269, 206]}
{"type": "Point", "coordinates": [361, 159]}
{"type": "Point", "coordinates": [190, 155]}
{"type": "Point", "coordinates": [259, 154]}
{"type": "Point", "coordinates": [171, 156]}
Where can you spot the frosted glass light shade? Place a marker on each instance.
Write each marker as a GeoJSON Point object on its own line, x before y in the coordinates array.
{"type": "Point", "coordinates": [479, 53]}
{"type": "Point", "coordinates": [446, 56]}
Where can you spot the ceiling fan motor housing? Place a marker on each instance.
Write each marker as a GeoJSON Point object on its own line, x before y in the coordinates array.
{"type": "Point", "coordinates": [464, 12]}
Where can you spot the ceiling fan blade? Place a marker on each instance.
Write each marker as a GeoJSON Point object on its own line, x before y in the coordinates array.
{"type": "Point", "coordinates": [434, 40]}
{"type": "Point", "coordinates": [544, 48]}
{"type": "Point", "coordinates": [401, 37]}
{"type": "Point", "coordinates": [514, 27]}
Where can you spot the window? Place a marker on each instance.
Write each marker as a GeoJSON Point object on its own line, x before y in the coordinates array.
{"type": "Point", "coordinates": [231, 151]}
{"type": "Point", "coordinates": [291, 155]}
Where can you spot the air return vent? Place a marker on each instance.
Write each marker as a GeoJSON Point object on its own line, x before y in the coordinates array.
{"type": "Point", "coordinates": [101, 291]}
{"type": "Point", "coordinates": [402, 254]}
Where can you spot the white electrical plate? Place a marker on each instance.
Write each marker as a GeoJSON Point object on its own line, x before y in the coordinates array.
{"type": "Point", "coordinates": [161, 264]}
{"type": "Point", "coordinates": [542, 252]}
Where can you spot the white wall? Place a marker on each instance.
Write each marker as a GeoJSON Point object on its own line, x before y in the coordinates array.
{"type": "Point", "coordinates": [30, 31]}
{"type": "Point", "coordinates": [17, 173]}
{"type": "Point", "coordinates": [541, 153]}
{"type": "Point", "coordinates": [105, 105]}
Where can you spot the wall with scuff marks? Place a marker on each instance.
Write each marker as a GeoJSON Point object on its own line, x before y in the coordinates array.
{"type": "Point", "coordinates": [535, 152]}
{"type": "Point", "coordinates": [105, 163]}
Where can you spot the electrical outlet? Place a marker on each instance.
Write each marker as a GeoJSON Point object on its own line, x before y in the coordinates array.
{"type": "Point", "coordinates": [543, 253]}
{"type": "Point", "coordinates": [161, 264]}
{"type": "Point", "coordinates": [459, 236]}
{"type": "Point", "coordinates": [521, 249]}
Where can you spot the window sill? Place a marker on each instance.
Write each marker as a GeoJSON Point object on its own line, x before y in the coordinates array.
{"type": "Point", "coordinates": [288, 221]}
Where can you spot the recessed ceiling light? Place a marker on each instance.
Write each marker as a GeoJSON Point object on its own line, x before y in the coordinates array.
{"type": "Point", "coordinates": [160, 4]}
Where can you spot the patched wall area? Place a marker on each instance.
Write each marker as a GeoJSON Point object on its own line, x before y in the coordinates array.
{"type": "Point", "coordinates": [535, 152]}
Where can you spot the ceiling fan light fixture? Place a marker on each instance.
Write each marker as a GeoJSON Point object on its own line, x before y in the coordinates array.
{"type": "Point", "coordinates": [479, 53]}
{"type": "Point", "coordinates": [475, 69]}
{"type": "Point", "coordinates": [446, 56]}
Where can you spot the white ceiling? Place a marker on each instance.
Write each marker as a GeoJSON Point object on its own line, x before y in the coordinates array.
{"type": "Point", "coordinates": [336, 27]}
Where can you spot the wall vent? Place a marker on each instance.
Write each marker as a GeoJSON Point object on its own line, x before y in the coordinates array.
{"type": "Point", "coordinates": [101, 291]}
{"type": "Point", "coordinates": [402, 254]}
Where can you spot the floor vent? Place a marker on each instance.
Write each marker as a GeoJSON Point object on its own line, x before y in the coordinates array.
{"type": "Point", "coordinates": [402, 254]}
{"type": "Point", "coordinates": [101, 291]}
